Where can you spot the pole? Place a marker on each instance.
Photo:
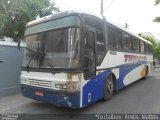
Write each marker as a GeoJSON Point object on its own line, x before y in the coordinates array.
{"type": "Point", "coordinates": [102, 7]}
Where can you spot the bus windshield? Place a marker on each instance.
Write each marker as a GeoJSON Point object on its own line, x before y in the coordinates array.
{"type": "Point", "coordinates": [56, 48]}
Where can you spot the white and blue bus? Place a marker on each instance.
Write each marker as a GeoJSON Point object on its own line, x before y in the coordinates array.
{"type": "Point", "coordinates": [73, 59]}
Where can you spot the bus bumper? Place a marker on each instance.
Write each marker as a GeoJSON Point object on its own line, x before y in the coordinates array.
{"type": "Point", "coordinates": [58, 98]}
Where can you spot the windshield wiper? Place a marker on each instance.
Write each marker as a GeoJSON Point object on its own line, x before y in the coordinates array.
{"type": "Point", "coordinates": [52, 67]}
{"type": "Point", "coordinates": [33, 55]}
{"type": "Point", "coordinates": [27, 66]}
{"type": "Point", "coordinates": [42, 54]}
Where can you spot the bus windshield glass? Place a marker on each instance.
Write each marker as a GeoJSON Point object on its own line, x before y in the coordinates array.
{"type": "Point", "coordinates": [56, 48]}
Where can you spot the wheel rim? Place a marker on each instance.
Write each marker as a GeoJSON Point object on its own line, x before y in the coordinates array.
{"type": "Point", "coordinates": [109, 85]}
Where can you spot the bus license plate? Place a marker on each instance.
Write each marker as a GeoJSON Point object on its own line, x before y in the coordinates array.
{"type": "Point", "coordinates": [39, 93]}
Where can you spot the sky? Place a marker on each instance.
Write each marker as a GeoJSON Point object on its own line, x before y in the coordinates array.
{"type": "Point", "coordinates": [139, 14]}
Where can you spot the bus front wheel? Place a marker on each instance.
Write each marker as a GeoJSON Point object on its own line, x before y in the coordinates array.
{"type": "Point", "coordinates": [108, 88]}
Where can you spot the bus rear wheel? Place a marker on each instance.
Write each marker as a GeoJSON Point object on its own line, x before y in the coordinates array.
{"type": "Point", "coordinates": [108, 88]}
{"type": "Point", "coordinates": [146, 73]}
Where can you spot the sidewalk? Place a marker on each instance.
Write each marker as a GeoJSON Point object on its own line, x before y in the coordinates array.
{"type": "Point", "coordinates": [157, 68]}
{"type": "Point", "coordinates": [155, 72]}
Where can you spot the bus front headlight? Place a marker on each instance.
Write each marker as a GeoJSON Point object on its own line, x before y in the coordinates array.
{"type": "Point", "coordinates": [69, 86]}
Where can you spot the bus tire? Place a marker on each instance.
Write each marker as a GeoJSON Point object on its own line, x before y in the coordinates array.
{"type": "Point", "coordinates": [146, 73]}
{"type": "Point", "coordinates": [108, 88]}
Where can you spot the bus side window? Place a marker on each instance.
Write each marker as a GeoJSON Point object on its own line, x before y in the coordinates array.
{"type": "Point", "coordinates": [119, 39]}
{"type": "Point", "coordinates": [150, 49]}
{"type": "Point", "coordinates": [114, 38]}
{"type": "Point", "coordinates": [142, 47]}
{"type": "Point", "coordinates": [111, 38]}
{"type": "Point", "coordinates": [127, 42]}
{"type": "Point", "coordinates": [100, 44]}
{"type": "Point", "coordinates": [100, 47]}
{"type": "Point", "coordinates": [89, 48]}
{"type": "Point", "coordinates": [146, 48]}
{"type": "Point", "coordinates": [89, 54]}
{"type": "Point", "coordinates": [135, 45]}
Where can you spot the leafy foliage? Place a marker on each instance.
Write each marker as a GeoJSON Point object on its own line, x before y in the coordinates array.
{"type": "Point", "coordinates": [157, 2]}
{"type": "Point", "coordinates": [157, 19]}
{"type": "Point", "coordinates": [155, 47]}
{"type": "Point", "coordinates": [14, 14]}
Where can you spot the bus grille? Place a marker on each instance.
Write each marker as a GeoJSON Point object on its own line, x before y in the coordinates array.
{"type": "Point", "coordinates": [40, 83]}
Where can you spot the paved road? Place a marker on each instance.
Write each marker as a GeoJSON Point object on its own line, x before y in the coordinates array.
{"type": "Point", "coordinates": [142, 96]}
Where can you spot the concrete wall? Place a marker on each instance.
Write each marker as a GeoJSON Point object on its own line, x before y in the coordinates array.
{"type": "Point", "coordinates": [10, 68]}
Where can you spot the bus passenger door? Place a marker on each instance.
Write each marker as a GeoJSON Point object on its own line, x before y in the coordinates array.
{"type": "Point", "coordinates": [89, 53]}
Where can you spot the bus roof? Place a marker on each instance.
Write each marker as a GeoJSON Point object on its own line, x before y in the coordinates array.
{"type": "Point", "coordinates": [61, 14]}
{"type": "Point", "coordinates": [78, 12]}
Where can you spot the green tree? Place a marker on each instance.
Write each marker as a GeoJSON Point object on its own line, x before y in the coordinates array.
{"type": "Point", "coordinates": [155, 45]}
{"type": "Point", "coordinates": [157, 19]}
{"type": "Point", "coordinates": [14, 14]}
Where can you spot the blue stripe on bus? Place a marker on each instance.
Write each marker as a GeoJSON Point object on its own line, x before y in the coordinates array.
{"type": "Point", "coordinates": [124, 71]}
{"type": "Point", "coordinates": [95, 87]}
{"type": "Point", "coordinates": [69, 100]}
